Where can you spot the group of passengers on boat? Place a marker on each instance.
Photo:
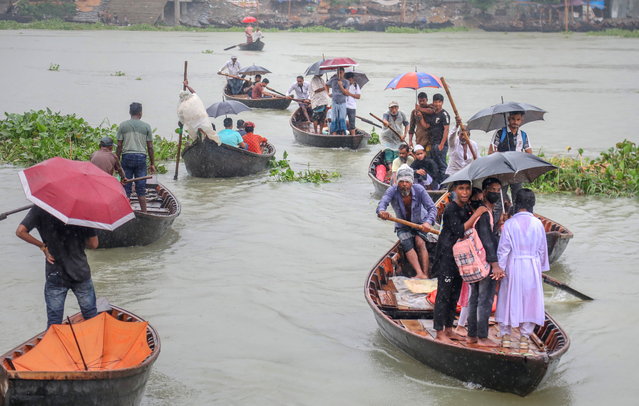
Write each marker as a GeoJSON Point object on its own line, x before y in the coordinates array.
{"type": "Point", "coordinates": [513, 240]}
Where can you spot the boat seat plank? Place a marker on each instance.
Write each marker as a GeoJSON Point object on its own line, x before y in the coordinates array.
{"type": "Point", "coordinates": [387, 298]}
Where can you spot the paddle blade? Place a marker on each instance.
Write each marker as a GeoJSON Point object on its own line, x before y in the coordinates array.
{"type": "Point", "coordinates": [231, 47]}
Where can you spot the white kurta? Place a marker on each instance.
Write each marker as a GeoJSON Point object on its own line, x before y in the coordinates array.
{"type": "Point", "coordinates": [523, 254]}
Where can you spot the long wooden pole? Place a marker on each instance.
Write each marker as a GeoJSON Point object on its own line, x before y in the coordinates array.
{"type": "Point", "coordinates": [464, 132]}
{"type": "Point", "coordinates": [554, 282]}
{"type": "Point", "coordinates": [179, 149]}
{"type": "Point", "coordinates": [6, 213]}
{"type": "Point", "coordinates": [389, 127]}
{"type": "Point", "coordinates": [413, 225]}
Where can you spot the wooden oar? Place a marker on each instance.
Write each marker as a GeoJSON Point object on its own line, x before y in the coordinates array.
{"type": "Point", "coordinates": [6, 213]}
{"type": "Point", "coordinates": [413, 225]}
{"type": "Point", "coordinates": [248, 80]}
{"type": "Point", "coordinates": [137, 179]}
{"type": "Point", "coordinates": [554, 282]}
{"type": "Point", "coordinates": [457, 116]}
{"type": "Point", "coordinates": [389, 127]}
{"type": "Point", "coordinates": [177, 157]}
{"type": "Point", "coordinates": [231, 47]}
{"type": "Point", "coordinates": [367, 121]}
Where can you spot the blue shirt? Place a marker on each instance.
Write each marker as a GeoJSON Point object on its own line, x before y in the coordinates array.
{"type": "Point", "coordinates": [423, 209]}
{"type": "Point", "coordinates": [230, 137]}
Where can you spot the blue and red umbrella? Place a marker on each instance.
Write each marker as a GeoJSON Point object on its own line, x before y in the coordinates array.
{"type": "Point", "coordinates": [414, 80]}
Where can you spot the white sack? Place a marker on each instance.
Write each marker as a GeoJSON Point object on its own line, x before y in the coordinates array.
{"type": "Point", "coordinates": [192, 114]}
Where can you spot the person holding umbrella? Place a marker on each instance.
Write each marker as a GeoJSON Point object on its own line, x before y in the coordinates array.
{"type": "Point", "coordinates": [338, 86]}
{"type": "Point", "coordinates": [66, 264]}
{"type": "Point", "coordinates": [511, 138]}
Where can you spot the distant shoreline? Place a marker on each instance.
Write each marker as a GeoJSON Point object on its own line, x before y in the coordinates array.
{"type": "Point", "coordinates": [72, 26]}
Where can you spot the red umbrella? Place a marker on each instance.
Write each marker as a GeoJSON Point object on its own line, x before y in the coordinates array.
{"type": "Point", "coordinates": [334, 63]}
{"type": "Point", "coordinates": [249, 19]}
{"type": "Point", "coordinates": [77, 193]}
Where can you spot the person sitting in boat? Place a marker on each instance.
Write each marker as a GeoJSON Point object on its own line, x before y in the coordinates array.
{"type": "Point", "coordinates": [232, 67]}
{"type": "Point", "coordinates": [396, 120]}
{"type": "Point", "coordinates": [66, 264]}
{"type": "Point", "coordinates": [423, 168]}
{"type": "Point", "coordinates": [248, 31]}
{"type": "Point", "coordinates": [257, 35]}
{"type": "Point", "coordinates": [254, 141]}
{"type": "Point", "coordinates": [523, 256]}
{"type": "Point", "coordinates": [482, 293]}
{"type": "Point", "coordinates": [248, 85]}
{"type": "Point", "coordinates": [300, 89]}
{"type": "Point", "coordinates": [240, 127]}
{"type": "Point", "coordinates": [410, 202]}
{"type": "Point", "coordinates": [231, 137]}
{"type": "Point", "coordinates": [458, 217]}
{"type": "Point", "coordinates": [105, 159]}
{"type": "Point", "coordinates": [319, 102]}
{"type": "Point", "coordinates": [258, 90]}
{"type": "Point", "coordinates": [404, 157]}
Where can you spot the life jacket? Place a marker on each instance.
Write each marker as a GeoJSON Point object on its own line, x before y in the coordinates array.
{"type": "Point", "coordinates": [504, 133]}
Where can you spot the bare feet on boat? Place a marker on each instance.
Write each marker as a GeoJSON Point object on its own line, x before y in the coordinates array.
{"type": "Point", "coordinates": [487, 342]}
{"type": "Point", "coordinates": [421, 275]}
{"type": "Point", "coordinates": [443, 337]}
{"type": "Point", "coordinates": [471, 340]}
{"type": "Point", "coordinates": [453, 335]}
{"type": "Point", "coordinates": [461, 330]}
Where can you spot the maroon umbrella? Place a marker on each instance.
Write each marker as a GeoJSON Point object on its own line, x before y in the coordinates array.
{"type": "Point", "coordinates": [334, 63]}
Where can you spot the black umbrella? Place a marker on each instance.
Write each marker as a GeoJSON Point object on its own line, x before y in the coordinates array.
{"type": "Point", "coordinates": [254, 70]}
{"type": "Point", "coordinates": [360, 78]}
{"type": "Point", "coordinates": [509, 167]}
{"type": "Point", "coordinates": [493, 117]}
{"type": "Point", "coordinates": [314, 69]}
{"type": "Point", "coordinates": [226, 107]}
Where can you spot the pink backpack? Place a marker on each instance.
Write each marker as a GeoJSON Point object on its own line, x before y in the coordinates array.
{"type": "Point", "coordinates": [470, 255]}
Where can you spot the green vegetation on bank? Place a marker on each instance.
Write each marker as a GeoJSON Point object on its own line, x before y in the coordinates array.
{"type": "Point", "coordinates": [41, 10]}
{"type": "Point", "coordinates": [282, 172]}
{"type": "Point", "coordinates": [616, 32]}
{"type": "Point", "coordinates": [57, 24]}
{"type": "Point", "coordinates": [614, 173]}
{"type": "Point", "coordinates": [32, 137]}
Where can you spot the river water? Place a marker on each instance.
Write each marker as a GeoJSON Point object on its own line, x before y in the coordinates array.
{"type": "Point", "coordinates": [257, 291]}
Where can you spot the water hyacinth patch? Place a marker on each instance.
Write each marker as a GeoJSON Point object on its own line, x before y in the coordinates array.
{"type": "Point", "coordinates": [282, 172]}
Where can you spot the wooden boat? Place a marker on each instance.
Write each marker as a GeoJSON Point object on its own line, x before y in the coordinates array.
{"type": "Point", "coordinates": [557, 236]}
{"type": "Point", "coordinates": [276, 103]}
{"type": "Point", "coordinates": [505, 370]}
{"type": "Point", "coordinates": [162, 209]}
{"type": "Point", "coordinates": [205, 159]}
{"type": "Point", "coordinates": [253, 46]}
{"type": "Point", "coordinates": [381, 187]}
{"type": "Point", "coordinates": [101, 387]}
{"type": "Point", "coordinates": [304, 135]}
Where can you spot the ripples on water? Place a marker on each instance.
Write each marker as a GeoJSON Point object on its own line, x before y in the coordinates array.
{"type": "Point", "coordinates": [257, 291]}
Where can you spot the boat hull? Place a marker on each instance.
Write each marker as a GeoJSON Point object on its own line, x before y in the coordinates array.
{"type": "Point", "coordinates": [275, 103]}
{"type": "Point", "coordinates": [499, 370]}
{"type": "Point", "coordinates": [110, 387]}
{"type": "Point", "coordinates": [253, 46]}
{"type": "Point", "coordinates": [205, 159]}
{"type": "Point", "coordinates": [145, 228]}
{"type": "Point", "coordinates": [328, 141]}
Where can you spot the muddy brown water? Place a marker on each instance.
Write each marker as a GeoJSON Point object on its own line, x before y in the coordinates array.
{"type": "Point", "coordinates": [257, 291]}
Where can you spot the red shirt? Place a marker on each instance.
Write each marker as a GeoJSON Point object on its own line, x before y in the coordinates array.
{"type": "Point", "coordinates": [253, 141]}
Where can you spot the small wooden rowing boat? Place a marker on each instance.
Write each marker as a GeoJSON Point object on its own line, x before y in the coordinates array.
{"type": "Point", "coordinates": [162, 209]}
{"type": "Point", "coordinates": [557, 236]}
{"type": "Point", "coordinates": [302, 130]}
{"type": "Point", "coordinates": [93, 387]}
{"type": "Point", "coordinates": [410, 329]}
{"type": "Point", "coordinates": [276, 103]}
{"type": "Point", "coordinates": [252, 46]}
{"type": "Point", "coordinates": [381, 187]}
{"type": "Point", "coordinates": [205, 159]}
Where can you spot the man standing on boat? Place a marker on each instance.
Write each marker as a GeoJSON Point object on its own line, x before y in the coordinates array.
{"type": "Point", "coordinates": [135, 138]}
{"type": "Point", "coordinates": [338, 86]}
{"type": "Point", "coordinates": [438, 123]}
{"type": "Point", "coordinates": [353, 94]}
{"type": "Point", "coordinates": [66, 263]}
{"type": "Point", "coordinates": [511, 138]}
{"type": "Point", "coordinates": [319, 102]}
{"type": "Point", "coordinates": [396, 120]}
{"type": "Point", "coordinates": [418, 125]}
{"type": "Point", "coordinates": [410, 202]}
{"type": "Point", "coordinates": [232, 67]}
{"type": "Point", "coordinates": [301, 88]}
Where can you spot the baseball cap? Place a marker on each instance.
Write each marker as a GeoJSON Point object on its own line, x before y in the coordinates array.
{"type": "Point", "coordinates": [106, 142]}
{"type": "Point", "coordinates": [249, 124]}
{"type": "Point", "coordinates": [393, 103]}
